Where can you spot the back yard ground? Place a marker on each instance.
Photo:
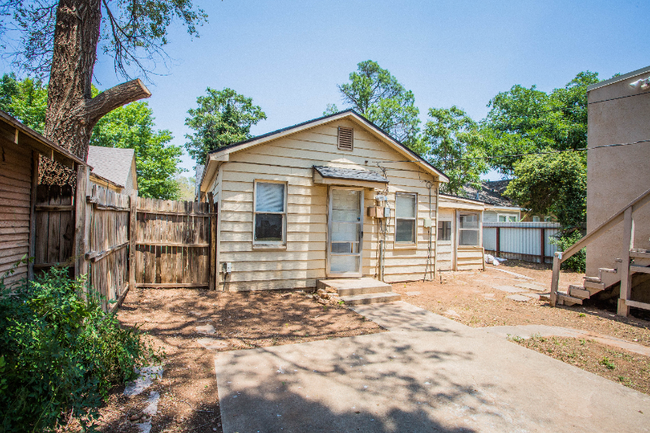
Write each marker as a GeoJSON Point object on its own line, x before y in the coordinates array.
{"type": "Point", "coordinates": [183, 322]}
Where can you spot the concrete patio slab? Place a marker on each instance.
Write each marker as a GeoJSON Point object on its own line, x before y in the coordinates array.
{"type": "Point", "coordinates": [519, 298]}
{"type": "Point", "coordinates": [446, 378]}
{"type": "Point", "coordinates": [509, 289]}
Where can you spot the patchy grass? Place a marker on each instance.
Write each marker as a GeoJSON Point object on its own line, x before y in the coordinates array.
{"type": "Point", "coordinates": [629, 369]}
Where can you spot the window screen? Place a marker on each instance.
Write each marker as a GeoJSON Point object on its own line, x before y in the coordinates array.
{"type": "Point", "coordinates": [468, 228]}
{"type": "Point", "coordinates": [270, 209]}
{"type": "Point", "coordinates": [405, 217]}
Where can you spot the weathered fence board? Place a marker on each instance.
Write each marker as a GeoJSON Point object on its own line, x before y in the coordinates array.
{"type": "Point", "coordinates": [54, 224]}
{"type": "Point", "coordinates": [172, 245]}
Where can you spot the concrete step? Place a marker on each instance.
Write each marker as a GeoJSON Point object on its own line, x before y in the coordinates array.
{"type": "Point", "coordinates": [579, 292]}
{"type": "Point", "coordinates": [371, 298]}
{"type": "Point", "coordinates": [354, 286]}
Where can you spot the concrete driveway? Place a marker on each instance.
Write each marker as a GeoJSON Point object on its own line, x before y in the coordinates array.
{"type": "Point", "coordinates": [426, 374]}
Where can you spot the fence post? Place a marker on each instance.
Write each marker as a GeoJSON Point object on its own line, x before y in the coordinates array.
{"type": "Point", "coordinates": [213, 244]}
{"type": "Point", "coordinates": [555, 279]}
{"type": "Point", "coordinates": [80, 241]}
{"type": "Point", "coordinates": [133, 199]}
{"type": "Point", "coordinates": [626, 279]}
{"type": "Point", "coordinates": [498, 241]}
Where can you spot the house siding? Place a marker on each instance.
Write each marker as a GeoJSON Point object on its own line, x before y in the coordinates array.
{"type": "Point", "coordinates": [290, 159]}
{"type": "Point", "coordinates": [15, 193]}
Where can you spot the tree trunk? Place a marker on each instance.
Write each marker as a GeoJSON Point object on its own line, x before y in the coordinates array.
{"type": "Point", "coordinates": [72, 112]}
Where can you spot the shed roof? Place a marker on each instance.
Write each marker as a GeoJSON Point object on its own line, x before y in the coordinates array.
{"type": "Point", "coordinates": [111, 163]}
{"type": "Point", "coordinates": [491, 193]}
{"type": "Point", "coordinates": [351, 174]}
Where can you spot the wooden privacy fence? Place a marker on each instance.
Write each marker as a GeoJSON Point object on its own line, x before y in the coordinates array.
{"type": "Point", "coordinates": [527, 241]}
{"type": "Point", "coordinates": [173, 244]}
{"type": "Point", "coordinates": [54, 228]}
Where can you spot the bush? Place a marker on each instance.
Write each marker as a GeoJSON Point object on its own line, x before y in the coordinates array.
{"type": "Point", "coordinates": [59, 354]}
{"type": "Point", "coordinates": [577, 262]}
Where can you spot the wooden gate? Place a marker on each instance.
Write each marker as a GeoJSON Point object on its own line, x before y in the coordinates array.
{"type": "Point", "coordinates": [173, 244]}
{"type": "Point", "coordinates": [54, 228]}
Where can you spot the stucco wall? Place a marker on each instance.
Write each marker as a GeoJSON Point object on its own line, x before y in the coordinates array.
{"type": "Point", "coordinates": [617, 175]}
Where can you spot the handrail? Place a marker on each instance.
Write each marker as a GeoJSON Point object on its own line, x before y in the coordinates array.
{"type": "Point", "coordinates": [618, 217]}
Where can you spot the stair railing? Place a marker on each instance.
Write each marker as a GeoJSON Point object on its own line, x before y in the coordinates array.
{"type": "Point", "coordinates": [625, 215]}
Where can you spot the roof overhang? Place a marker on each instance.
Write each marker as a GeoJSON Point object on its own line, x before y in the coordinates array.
{"type": "Point", "coordinates": [454, 202]}
{"type": "Point", "coordinates": [17, 133]}
{"type": "Point", "coordinates": [326, 175]}
{"type": "Point", "coordinates": [410, 156]}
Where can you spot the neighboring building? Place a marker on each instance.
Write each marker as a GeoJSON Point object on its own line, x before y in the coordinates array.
{"type": "Point", "coordinates": [499, 208]}
{"type": "Point", "coordinates": [301, 204]}
{"type": "Point", "coordinates": [113, 168]}
{"type": "Point", "coordinates": [619, 113]}
{"type": "Point", "coordinates": [20, 150]}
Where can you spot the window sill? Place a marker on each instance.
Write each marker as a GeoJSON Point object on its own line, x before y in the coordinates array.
{"type": "Point", "coordinates": [269, 247]}
{"type": "Point", "coordinates": [397, 246]}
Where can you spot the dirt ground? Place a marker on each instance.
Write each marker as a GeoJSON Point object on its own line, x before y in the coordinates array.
{"type": "Point", "coordinates": [470, 298]}
{"type": "Point", "coordinates": [188, 389]}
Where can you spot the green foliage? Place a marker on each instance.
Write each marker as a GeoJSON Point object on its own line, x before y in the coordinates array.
{"type": "Point", "coordinates": [527, 120]}
{"type": "Point", "coordinates": [186, 187]}
{"type": "Point", "coordinates": [132, 32]}
{"type": "Point", "coordinates": [223, 117]}
{"type": "Point", "coordinates": [26, 100]}
{"type": "Point", "coordinates": [552, 184]}
{"type": "Point", "coordinates": [454, 145]}
{"type": "Point", "coordinates": [578, 261]}
{"type": "Point", "coordinates": [380, 98]}
{"type": "Point", "coordinates": [60, 355]}
{"type": "Point", "coordinates": [156, 160]}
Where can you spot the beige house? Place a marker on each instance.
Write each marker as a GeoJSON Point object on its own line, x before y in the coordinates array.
{"type": "Point", "coordinates": [113, 168]}
{"type": "Point", "coordinates": [329, 198]}
{"type": "Point", "coordinates": [619, 113]}
{"type": "Point", "coordinates": [459, 245]}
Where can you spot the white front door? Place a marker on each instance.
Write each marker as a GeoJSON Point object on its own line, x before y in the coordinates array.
{"type": "Point", "coordinates": [345, 232]}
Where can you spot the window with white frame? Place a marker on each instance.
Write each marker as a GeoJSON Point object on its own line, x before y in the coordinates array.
{"type": "Point", "coordinates": [444, 230]}
{"type": "Point", "coordinates": [508, 218]}
{"type": "Point", "coordinates": [405, 217]}
{"type": "Point", "coordinates": [468, 229]}
{"type": "Point", "coordinates": [270, 212]}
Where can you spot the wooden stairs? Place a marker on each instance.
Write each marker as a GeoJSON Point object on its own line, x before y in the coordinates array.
{"type": "Point", "coordinates": [632, 260]}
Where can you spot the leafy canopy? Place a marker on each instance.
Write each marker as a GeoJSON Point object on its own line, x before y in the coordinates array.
{"type": "Point", "coordinates": [552, 184]}
{"type": "Point", "coordinates": [25, 100]}
{"type": "Point", "coordinates": [453, 143]}
{"type": "Point", "coordinates": [132, 127]}
{"type": "Point", "coordinates": [132, 32]}
{"type": "Point", "coordinates": [526, 120]}
{"type": "Point", "coordinates": [222, 117]}
{"type": "Point", "coordinates": [380, 98]}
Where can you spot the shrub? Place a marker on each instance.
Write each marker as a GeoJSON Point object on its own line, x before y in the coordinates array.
{"type": "Point", "coordinates": [59, 354]}
{"type": "Point", "coordinates": [577, 262]}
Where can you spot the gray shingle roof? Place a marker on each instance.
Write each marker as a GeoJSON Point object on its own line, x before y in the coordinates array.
{"type": "Point", "coordinates": [111, 163]}
{"type": "Point", "coordinates": [348, 173]}
{"type": "Point", "coordinates": [491, 193]}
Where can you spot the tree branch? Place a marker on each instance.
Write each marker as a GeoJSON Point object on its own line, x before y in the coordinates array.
{"type": "Point", "coordinates": [115, 97]}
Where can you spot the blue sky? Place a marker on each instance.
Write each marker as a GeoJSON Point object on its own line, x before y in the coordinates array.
{"type": "Point", "coordinates": [290, 55]}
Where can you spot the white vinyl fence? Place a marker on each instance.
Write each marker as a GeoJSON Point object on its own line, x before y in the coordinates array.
{"type": "Point", "coordinates": [525, 241]}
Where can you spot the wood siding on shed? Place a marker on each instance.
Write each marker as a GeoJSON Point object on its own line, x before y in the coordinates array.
{"type": "Point", "coordinates": [290, 159]}
{"type": "Point", "coordinates": [15, 194]}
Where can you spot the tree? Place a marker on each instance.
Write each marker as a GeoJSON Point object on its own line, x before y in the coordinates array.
{"type": "Point", "coordinates": [156, 161]}
{"type": "Point", "coordinates": [25, 100]}
{"type": "Point", "coordinates": [377, 95]}
{"type": "Point", "coordinates": [526, 120]}
{"type": "Point", "coordinates": [222, 117]}
{"type": "Point", "coordinates": [454, 144]}
{"type": "Point", "coordinates": [62, 38]}
{"type": "Point", "coordinates": [552, 184]}
{"type": "Point", "coordinates": [186, 186]}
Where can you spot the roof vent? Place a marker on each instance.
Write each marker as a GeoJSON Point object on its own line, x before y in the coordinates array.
{"type": "Point", "coordinates": [345, 138]}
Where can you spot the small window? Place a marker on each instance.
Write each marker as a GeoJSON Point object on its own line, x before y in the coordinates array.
{"type": "Point", "coordinates": [468, 230]}
{"type": "Point", "coordinates": [535, 219]}
{"type": "Point", "coordinates": [508, 218]}
{"type": "Point", "coordinates": [345, 138]}
{"type": "Point", "coordinates": [270, 212]}
{"type": "Point", "coordinates": [405, 217]}
{"type": "Point", "coordinates": [444, 230]}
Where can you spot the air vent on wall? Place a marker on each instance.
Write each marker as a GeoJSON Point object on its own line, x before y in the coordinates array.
{"type": "Point", "coordinates": [346, 138]}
